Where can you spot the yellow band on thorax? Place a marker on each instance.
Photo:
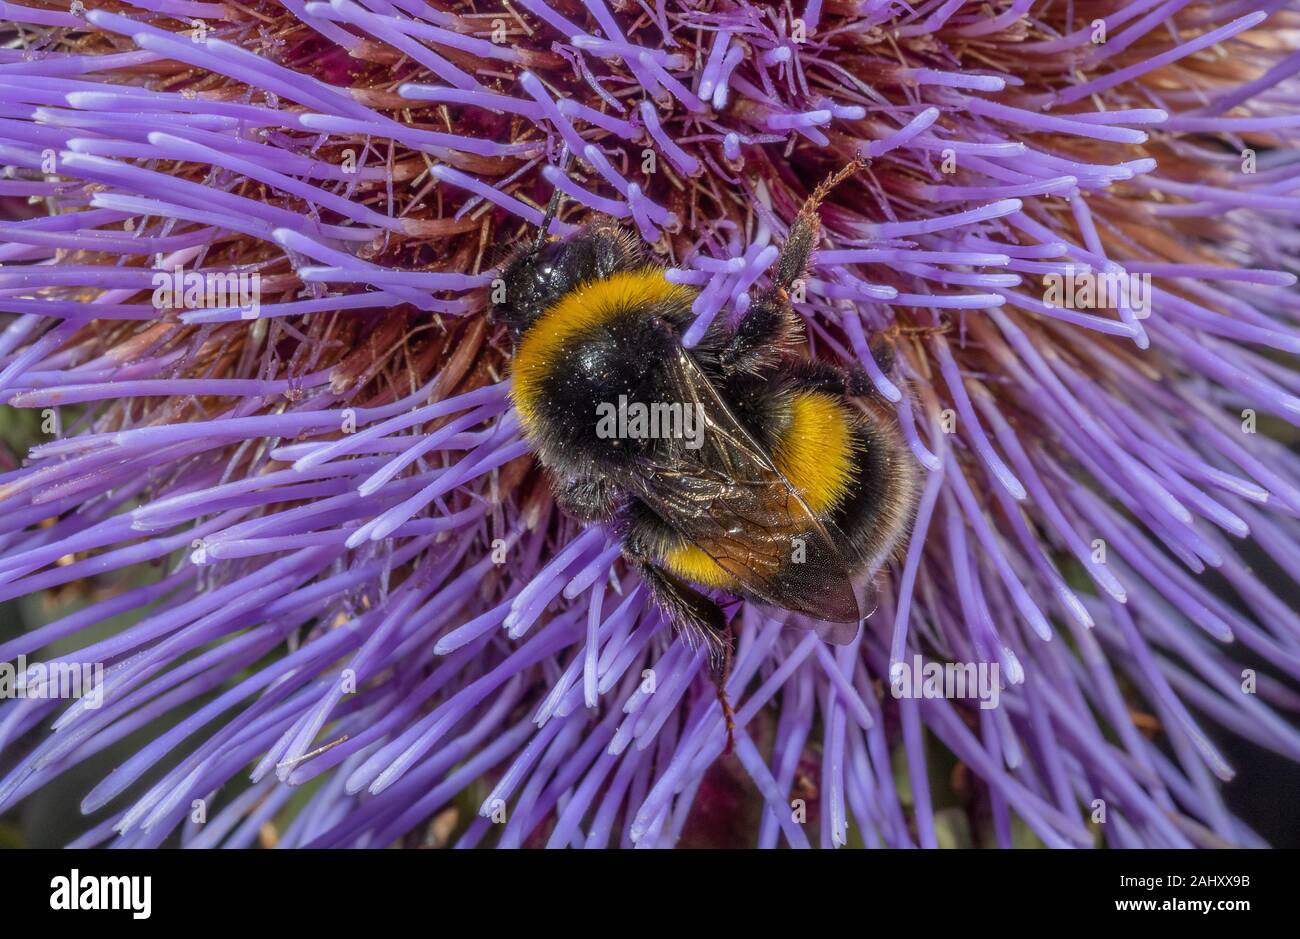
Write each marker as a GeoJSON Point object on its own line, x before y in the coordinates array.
{"type": "Point", "coordinates": [581, 309]}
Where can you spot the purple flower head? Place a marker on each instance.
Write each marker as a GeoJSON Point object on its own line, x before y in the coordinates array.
{"type": "Point", "coordinates": [327, 599]}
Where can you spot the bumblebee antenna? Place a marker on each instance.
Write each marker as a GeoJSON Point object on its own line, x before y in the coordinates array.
{"type": "Point", "coordinates": [830, 182]}
{"type": "Point", "coordinates": [551, 207]}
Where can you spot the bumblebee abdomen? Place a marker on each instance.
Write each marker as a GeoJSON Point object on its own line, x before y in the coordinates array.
{"type": "Point", "coordinates": [846, 464]}
{"type": "Point", "coordinates": [815, 451]}
{"type": "Point", "coordinates": [877, 511]}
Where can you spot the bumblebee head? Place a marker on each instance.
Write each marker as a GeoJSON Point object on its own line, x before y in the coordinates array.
{"type": "Point", "coordinates": [530, 281]}
{"type": "Point", "coordinates": [540, 274]}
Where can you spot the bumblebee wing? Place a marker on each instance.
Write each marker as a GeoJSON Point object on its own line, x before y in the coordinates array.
{"type": "Point", "coordinates": [729, 499]}
{"type": "Point", "coordinates": [841, 634]}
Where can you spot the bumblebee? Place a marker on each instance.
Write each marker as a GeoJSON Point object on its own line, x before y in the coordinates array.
{"type": "Point", "coordinates": [796, 485]}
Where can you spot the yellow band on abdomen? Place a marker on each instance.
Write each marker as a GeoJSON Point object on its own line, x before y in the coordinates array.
{"type": "Point", "coordinates": [815, 453]}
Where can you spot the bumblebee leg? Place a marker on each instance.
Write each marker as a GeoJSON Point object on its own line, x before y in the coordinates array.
{"type": "Point", "coordinates": [882, 350]}
{"type": "Point", "coordinates": [847, 382]}
{"type": "Point", "coordinates": [588, 498]}
{"type": "Point", "coordinates": [805, 230]}
{"type": "Point", "coordinates": [769, 330]}
{"type": "Point", "coordinates": [720, 679]}
{"type": "Point", "coordinates": [694, 616]}
{"type": "Point", "coordinates": [771, 326]}
{"type": "Point", "coordinates": [700, 622]}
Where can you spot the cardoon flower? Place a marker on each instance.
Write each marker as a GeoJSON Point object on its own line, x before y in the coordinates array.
{"type": "Point", "coordinates": [333, 602]}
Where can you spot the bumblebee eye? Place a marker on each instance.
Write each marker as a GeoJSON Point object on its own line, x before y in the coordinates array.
{"type": "Point", "coordinates": [546, 262]}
